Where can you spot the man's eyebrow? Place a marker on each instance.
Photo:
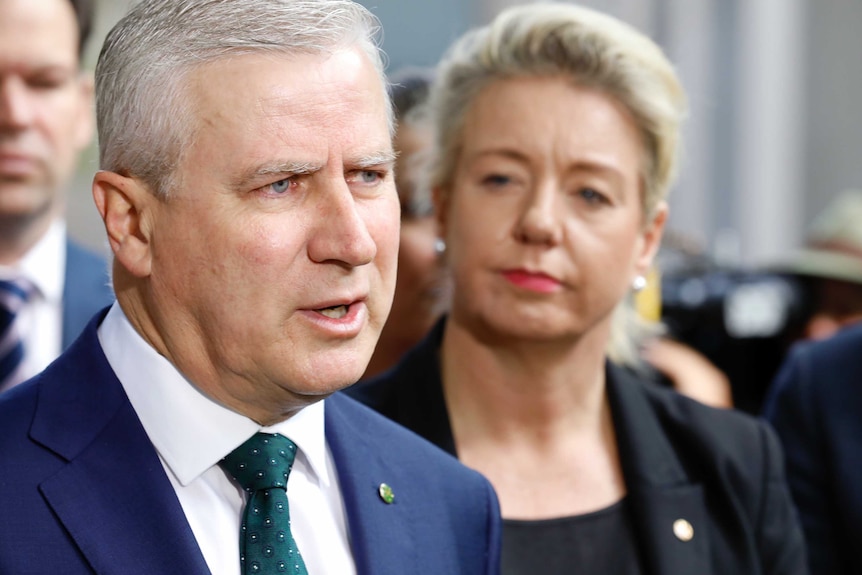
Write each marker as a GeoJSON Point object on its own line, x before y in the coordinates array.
{"type": "Point", "coordinates": [373, 160]}
{"type": "Point", "coordinates": [275, 168]}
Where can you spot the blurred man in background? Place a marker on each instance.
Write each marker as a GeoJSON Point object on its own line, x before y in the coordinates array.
{"type": "Point", "coordinates": [49, 286]}
{"type": "Point", "coordinates": [831, 266]}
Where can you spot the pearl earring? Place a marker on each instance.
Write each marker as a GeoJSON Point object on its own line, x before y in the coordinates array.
{"type": "Point", "coordinates": [440, 246]}
{"type": "Point", "coordinates": [638, 283]}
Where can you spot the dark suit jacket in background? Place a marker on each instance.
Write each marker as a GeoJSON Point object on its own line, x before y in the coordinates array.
{"type": "Point", "coordinates": [720, 470]}
{"type": "Point", "coordinates": [815, 404]}
{"type": "Point", "coordinates": [82, 489]}
{"type": "Point", "coordinates": [86, 290]}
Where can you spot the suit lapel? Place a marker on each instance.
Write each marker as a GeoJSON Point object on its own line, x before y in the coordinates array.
{"type": "Point", "coordinates": [664, 501]}
{"type": "Point", "coordinates": [112, 496]}
{"type": "Point", "coordinates": [381, 535]}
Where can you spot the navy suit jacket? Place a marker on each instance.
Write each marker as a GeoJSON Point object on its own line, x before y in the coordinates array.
{"type": "Point", "coordinates": [82, 489]}
{"type": "Point", "coordinates": [86, 290]}
{"type": "Point", "coordinates": [815, 404]}
{"type": "Point", "coordinates": [720, 470]}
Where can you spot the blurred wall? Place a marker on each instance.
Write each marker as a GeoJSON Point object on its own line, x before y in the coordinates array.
{"type": "Point", "coordinates": [773, 132]}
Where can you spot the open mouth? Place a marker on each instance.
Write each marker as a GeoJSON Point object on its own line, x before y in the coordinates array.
{"type": "Point", "coordinates": [334, 312]}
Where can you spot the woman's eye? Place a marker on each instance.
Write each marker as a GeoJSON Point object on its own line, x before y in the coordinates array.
{"type": "Point", "coordinates": [591, 195]}
{"type": "Point", "coordinates": [496, 180]}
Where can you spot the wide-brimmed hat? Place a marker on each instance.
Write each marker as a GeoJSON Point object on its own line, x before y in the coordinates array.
{"type": "Point", "coordinates": [833, 243]}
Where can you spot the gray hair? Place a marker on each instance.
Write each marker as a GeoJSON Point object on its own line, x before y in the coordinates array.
{"type": "Point", "coordinates": [590, 49]}
{"type": "Point", "coordinates": [145, 123]}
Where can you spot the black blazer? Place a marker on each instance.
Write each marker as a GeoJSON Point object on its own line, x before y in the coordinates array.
{"type": "Point", "coordinates": [720, 470]}
{"type": "Point", "coordinates": [815, 405]}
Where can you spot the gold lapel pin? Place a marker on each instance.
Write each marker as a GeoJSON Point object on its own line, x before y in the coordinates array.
{"type": "Point", "coordinates": [683, 530]}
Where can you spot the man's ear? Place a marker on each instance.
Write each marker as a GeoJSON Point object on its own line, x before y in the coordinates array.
{"type": "Point", "coordinates": [126, 207]}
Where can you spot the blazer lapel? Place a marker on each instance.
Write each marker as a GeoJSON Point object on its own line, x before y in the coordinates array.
{"type": "Point", "coordinates": [112, 496]}
{"type": "Point", "coordinates": [667, 507]}
{"type": "Point", "coordinates": [381, 535]}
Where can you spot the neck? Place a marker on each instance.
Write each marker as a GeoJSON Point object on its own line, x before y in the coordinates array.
{"type": "Point", "coordinates": [533, 417]}
{"type": "Point", "coordinates": [523, 388]}
{"type": "Point", "coordinates": [260, 401]}
{"type": "Point", "coordinates": [19, 235]}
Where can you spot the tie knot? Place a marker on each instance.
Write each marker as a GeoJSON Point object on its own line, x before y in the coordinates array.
{"type": "Point", "coordinates": [14, 294]}
{"type": "Point", "coordinates": [262, 462]}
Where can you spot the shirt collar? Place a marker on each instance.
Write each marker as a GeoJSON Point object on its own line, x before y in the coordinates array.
{"type": "Point", "coordinates": [45, 263]}
{"type": "Point", "coordinates": [190, 431]}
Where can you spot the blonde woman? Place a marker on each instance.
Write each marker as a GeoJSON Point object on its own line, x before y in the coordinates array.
{"type": "Point", "coordinates": [556, 143]}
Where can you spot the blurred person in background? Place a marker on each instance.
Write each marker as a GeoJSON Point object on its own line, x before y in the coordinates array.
{"type": "Point", "coordinates": [815, 402]}
{"type": "Point", "coordinates": [49, 285]}
{"type": "Point", "coordinates": [815, 405]}
{"type": "Point", "coordinates": [830, 264]}
{"type": "Point", "coordinates": [419, 288]}
{"type": "Point", "coordinates": [744, 321]}
{"type": "Point", "coordinates": [556, 143]}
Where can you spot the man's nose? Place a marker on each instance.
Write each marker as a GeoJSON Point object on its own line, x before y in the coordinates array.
{"type": "Point", "coordinates": [17, 108]}
{"type": "Point", "coordinates": [342, 233]}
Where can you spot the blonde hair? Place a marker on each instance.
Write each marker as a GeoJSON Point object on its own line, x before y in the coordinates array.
{"type": "Point", "coordinates": [592, 50]}
{"type": "Point", "coordinates": [587, 47]}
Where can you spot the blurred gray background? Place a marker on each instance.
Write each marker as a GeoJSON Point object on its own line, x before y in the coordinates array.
{"type": "Point", "coordinates": [774, 130]}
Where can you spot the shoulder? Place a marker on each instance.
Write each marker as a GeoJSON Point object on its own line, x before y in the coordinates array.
{"type": "Point", "coordinates": [412, 455]}
{"type": "Point", "coordinates": [735, 458]}
{"type": "Point", "coordinates": [726, 450]}
{"type": "Point", "coordinates": [724, 433]}
{"type": "Point", "coordinates": [839, 352]}
{"type": "Point", "coordinates": [819, 376]}
{"type": "Point", "coordinates": [393, 439]}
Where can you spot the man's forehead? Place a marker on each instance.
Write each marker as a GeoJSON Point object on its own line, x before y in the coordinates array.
{"type": "Point", "coordinates": [234, 90]}
{"type": "Point", "coordinates": [37, 34]}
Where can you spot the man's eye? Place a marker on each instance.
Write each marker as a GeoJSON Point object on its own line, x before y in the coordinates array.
{"type": "Point", "coordinates": [370, 177]}
{"type": "Point", "coordinates": [280, 186]}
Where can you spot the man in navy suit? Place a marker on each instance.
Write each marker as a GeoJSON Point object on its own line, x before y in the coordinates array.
{"type": "Point", "coordinates": [46, 119]}
{"type": "Point", "coordinates": [247, 192]}
{"type": "Point", "coordinates": [815, 404]}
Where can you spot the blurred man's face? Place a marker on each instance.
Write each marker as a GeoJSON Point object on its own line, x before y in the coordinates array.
{"type": "Point", "coordinates": [273, 260]}
{"type": "Point", "coordinates": [45, 105]}
{"type": "Point", "coordinates": [837, 305]}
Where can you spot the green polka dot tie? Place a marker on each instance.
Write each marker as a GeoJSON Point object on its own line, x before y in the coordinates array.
{"type": "Point", "coordinates": [261, 466]}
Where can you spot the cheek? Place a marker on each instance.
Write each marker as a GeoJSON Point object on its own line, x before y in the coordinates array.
{"type": "Point", "coordinates": [383, 221]}
{"type": "Point", "coordinates": [264, 245]}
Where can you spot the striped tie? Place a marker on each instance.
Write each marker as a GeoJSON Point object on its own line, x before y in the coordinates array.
{"type": "Point", "coordinates": [13, 296]}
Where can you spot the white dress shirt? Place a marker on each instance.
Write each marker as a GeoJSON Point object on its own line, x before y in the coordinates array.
{"type": "Point", "coordinates": [192, 433]}
{"type": "Point", "coordinates": [40, 321]}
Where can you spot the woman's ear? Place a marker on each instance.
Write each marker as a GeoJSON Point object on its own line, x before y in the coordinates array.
{"type": "Point", "coordinates": [440, 197]}
{"type": "Point", "coordinates": [651, 238]}
{"type": "Point", "coordinates": [126, 207]}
